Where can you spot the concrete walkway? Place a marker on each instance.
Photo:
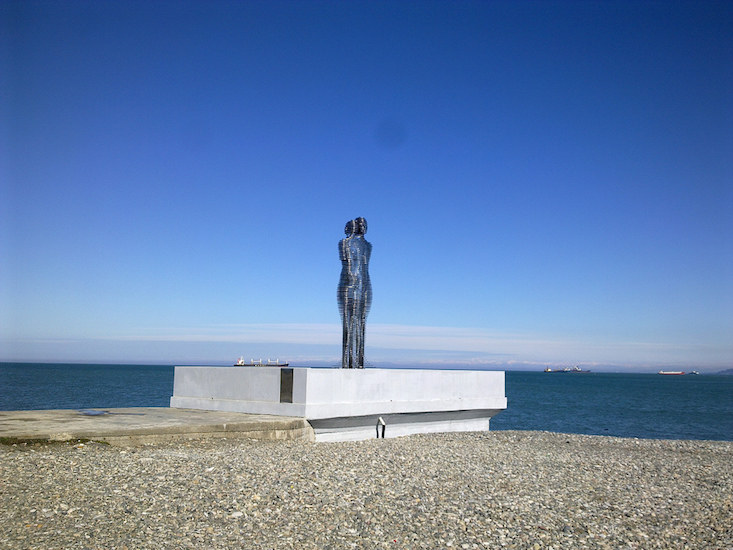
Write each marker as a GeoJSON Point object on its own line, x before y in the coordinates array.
{"type": "Point", "coordinates": [134, 426]}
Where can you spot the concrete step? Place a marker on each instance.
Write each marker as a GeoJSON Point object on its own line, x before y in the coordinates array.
{"type": "Point", "coordinates": [140, 425]}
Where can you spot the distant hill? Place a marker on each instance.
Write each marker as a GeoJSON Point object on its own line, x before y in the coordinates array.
{"type": "Point", "coordinates": [726, 371]}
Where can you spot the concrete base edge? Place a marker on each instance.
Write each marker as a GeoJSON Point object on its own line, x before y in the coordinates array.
{"type": "Point", "coordinates": [397, 425]}
{"type": "Point", "coordinates": [133, 426]}
{"type": "Point", "coordinates": [304, 433]}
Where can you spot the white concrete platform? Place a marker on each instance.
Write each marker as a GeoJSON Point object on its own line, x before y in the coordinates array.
{"type": "Point", "coordinates": [346, 404]}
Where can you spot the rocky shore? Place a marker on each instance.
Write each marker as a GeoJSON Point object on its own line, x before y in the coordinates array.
{"type": "Point", "coordinates": [505, 489]}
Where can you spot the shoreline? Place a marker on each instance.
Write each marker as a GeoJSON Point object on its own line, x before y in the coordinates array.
{"type": "Point", "coordinates": [497, 489]}
{"type": "Point", "coordinates": [12, 440]}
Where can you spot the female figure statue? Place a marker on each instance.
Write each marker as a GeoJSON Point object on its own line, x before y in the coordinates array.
{"type": "Point", "coordinates": [354, 292]}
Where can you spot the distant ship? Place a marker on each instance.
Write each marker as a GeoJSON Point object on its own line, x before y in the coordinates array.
{"type": "Point", "coordinates": [252, 363]}
{"type": "Point", "coordinates": [567, 369]}
{"type": "Point", "coordinates": [671, 372]}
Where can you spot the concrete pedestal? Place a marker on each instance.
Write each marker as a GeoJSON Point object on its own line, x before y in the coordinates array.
{"type": "Point", "coordinates": [346, 404]}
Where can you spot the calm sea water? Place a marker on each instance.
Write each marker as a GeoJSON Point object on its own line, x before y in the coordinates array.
{"type": "Point", "coordinates": [624, 405]}
{"type": "Point", "coordinates": [27, 386]}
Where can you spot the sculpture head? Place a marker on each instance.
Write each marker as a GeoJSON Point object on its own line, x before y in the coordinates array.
{"type": "Point", "coordinates": [360, 226]}
{"type": "Point", "coordinates": [350, 228]}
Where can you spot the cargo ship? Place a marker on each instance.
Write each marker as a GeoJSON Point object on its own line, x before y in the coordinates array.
{"type": "Point", "coordinates": [259, 363]}
{"type": "Point", "coordinates": [671, 372]}
{"type": "Point", "coordinates": [567, 369]}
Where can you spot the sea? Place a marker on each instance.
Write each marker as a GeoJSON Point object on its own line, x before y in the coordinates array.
{"type": "Point", "coordinates": [646, 406]}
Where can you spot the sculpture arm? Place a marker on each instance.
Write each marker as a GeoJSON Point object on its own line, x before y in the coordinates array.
{"type": "Point", "coordinates": [342, 249]}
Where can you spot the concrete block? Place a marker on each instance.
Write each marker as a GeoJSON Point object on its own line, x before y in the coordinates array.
{"type": "Point", "coordinates": [343, 404]}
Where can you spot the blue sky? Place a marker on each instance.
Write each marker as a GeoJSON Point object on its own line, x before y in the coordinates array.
{"type": "Point", "coordinates": [545, 183]}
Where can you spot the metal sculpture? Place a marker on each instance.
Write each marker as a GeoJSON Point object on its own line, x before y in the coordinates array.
{"type": "Point", "coordinates": [354, 292]}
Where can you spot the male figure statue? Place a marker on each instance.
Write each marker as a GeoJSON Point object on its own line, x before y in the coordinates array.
{"type": "Point", "coordinates": [354, 292]}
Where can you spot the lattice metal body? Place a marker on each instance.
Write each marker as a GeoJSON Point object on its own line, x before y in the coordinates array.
{"type": "Point", "coordinates": [354, 292]}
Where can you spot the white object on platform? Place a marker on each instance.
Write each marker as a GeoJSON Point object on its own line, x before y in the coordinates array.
{"type": "Point", "coordinates": [346, 404]}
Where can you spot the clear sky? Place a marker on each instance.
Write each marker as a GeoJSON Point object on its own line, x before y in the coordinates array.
{"type": "Point", "coordinates": [546, 183]}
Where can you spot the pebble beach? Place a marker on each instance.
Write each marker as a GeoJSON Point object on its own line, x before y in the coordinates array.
{"type": "Point", "coordinates": [503, 489]}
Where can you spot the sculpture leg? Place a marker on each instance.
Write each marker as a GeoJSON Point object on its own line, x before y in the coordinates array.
{"type": "Point", "coordinates": [349, 359]}
{"type": "Point", "coordinates": [359, 343]}
{"type": "Point", "coordinates": [360, 357]}
{"type": "Point", "coordinates": [355, 333]}
{"type": "Point", "coordinates": [347, 340]}
{"type": "Point", "coordinates": [345, 347]}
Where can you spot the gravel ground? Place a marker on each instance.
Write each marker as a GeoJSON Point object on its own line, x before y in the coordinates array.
{"type": "Point", "coordinates": [506, 489]}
